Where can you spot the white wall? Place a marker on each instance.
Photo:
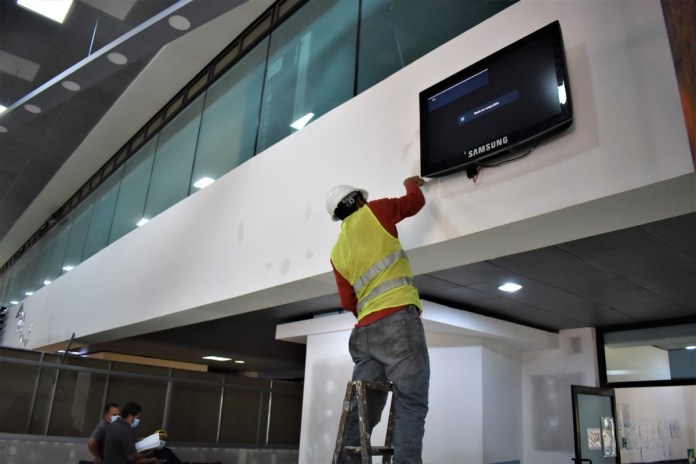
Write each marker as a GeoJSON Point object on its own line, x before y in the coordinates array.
{"type": "Point", "coordinates": [490, 401]}
{"type": "Point", "coordinates": [259, 236]}
{"type": "Point", "coordinates": [658, 422]}
{"type": "Point", "coordinates": [547, 376]}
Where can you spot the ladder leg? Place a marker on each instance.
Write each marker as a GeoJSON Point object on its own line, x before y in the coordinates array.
{"type": "Point", "coordinates": [363, 425]}
{"type": "Point", "coordinates": [347, 402]}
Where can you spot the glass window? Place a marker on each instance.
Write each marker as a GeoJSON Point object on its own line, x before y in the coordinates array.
{"type": "Point", "coordinates": [311, 68]}
{"type": "Point", "coordinates": [230, 118]}
{"type": "Point", "coordinates": [102, 215]}
{"type": "Point", "coordinates": [395, 33]}
{"type": "Point", "coordinates": [130, 204]}
{"type": "Point", "coordinates": [171, 172]}
{"type": "Point", "coordinates": [660, 353]}
{"type": "Point", "coordinates": [58, 243]}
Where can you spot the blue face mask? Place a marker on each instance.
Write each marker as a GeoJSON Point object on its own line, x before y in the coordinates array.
{"type": "Point", "coordinates": [161, 445]}
{"type": "Point", "coordinates": [135, 423]}
{"type": "Point", "coordinates": [114, 418]}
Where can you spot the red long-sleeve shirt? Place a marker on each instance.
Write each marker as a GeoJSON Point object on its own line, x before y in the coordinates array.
{"type": "Point", "coordinates": [389, 212]}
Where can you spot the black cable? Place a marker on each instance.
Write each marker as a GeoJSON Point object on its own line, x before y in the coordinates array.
{"type": "Point", "coordinates": [510, 160]}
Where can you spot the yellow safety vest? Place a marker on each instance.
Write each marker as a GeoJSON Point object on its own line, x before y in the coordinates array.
{"type": "Point", "coordinates": [372, 260]}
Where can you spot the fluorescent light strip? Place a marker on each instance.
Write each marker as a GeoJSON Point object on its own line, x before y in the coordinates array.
{"type": "Point", "coordinates": [510, 287]}
{"type": "Point", "coordinates": [217, 358]}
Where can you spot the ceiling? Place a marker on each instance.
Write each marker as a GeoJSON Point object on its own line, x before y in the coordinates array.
{"type": "Point", "coordinates": [640, 274]}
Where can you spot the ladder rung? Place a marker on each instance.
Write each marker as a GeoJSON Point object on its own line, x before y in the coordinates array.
{"type": "Point", "coordinates": [374, 450]}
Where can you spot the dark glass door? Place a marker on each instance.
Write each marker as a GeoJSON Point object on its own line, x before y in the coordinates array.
{"type": "Point", "coordinates": [594, 425]}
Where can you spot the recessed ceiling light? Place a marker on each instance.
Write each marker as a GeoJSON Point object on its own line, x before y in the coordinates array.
{"type": "Point", "coordinates": [117, 58]}
{"type": "Point", "coordinates": [300, 123]}
{"type": "Point", "coordinates": [142, 222]}
{"type": "Point", "coordinates": [28, 293]}
{"type": "Point", "coordinates": [203, 182]}
{"type": "Point", "coordinates": [691, 347]}
{"type": "Point", "coordinates": [68, 268]}
{"type": "Point", "coordinates": [32, 108]}
{"type": "Point", "coordinates": [179, 23]}
{"type": "Point", "coordinates": [14, 302]}
{"type": "Point", "coordinates": [70, 85]}
{"type": "Point", "coordinates": [217, 358]}
{"type": "Point", "coordinates": [47, 282]}
{"type": "Point", "coordinates": [239, 361]}
{"type": "Point", "coordinates": [55, 10]}
{"type": "Point", "coordinates": [510, 287]}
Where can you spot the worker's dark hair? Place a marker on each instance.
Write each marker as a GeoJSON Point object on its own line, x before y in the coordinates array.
{"type": "Point", "coordinates": [348, 205]}
{"type": "Point", "coordinates": [130, 409]}
{"type": "Point", "coordinates": [109, 406]}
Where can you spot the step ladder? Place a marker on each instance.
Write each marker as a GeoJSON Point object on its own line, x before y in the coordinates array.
{"type": "Point", "coordinates": [365, 450]}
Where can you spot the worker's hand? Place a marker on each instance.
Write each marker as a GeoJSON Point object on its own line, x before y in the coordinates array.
{"type": "Point", "coordinates": [415, 180]}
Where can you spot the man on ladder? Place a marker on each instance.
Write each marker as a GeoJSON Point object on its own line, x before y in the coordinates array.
{"type": "Point", "coordinates": [375, 282]}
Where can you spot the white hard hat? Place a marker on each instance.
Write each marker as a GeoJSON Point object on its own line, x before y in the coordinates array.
{"type": "Point", "coordinates": [338, 193]}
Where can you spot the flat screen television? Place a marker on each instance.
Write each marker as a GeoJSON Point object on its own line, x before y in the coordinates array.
{"type": "Point", "coordinates": [502, 104]}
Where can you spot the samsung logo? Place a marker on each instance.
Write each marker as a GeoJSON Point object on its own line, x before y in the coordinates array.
{"type": "Point", "coordinates": [487, 147]}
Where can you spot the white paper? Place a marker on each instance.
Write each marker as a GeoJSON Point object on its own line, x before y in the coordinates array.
{"type": "Point", "coordinates": [148, 443]}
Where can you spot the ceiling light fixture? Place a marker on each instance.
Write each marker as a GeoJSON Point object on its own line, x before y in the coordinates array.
{"type": "Point", "coordinates": [510, 287]}
{"type": "Point", "coordinates": [55, 10]}
{"type": "Point", "coordinates": [47, 282]}
{"type": "Point", "coordinates": [217, 358]}
{"type": "Point", "coordinates": [70, 85]}
{"type": "Point", "coordinates": [203, 182]}
{"type": "Point", "coordinates": [32, 108]}
{"type": "Point", "coordinates": [239, 361]}
{"type": "Point", "coordinates": [14, 302]}
{"type": "Point", "coordinates": [179, 23]}
{"type": "Point", "coordinates": [68, 268]}
{"type": "Point", "coordinates": [117, 58]}
{"type": "Point", "coordinates": [300, 123]}
{"type": "Point", "coordinates": [142, 222]}
{"type": "Point", "coordinates": [2, 108]}
{"type": "Point", "coordinates": [691, 347]}
{"type": "Point", "coordinates": [28, 293]}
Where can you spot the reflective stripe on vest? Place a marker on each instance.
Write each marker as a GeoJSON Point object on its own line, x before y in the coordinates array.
{"type": "Point", "coordinates": [380, 266]}
{"type": "Point", "coordinates": [384, 287]}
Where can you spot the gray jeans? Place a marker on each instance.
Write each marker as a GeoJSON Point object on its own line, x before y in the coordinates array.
{"type": "Point", "coordinates": [393, 349]}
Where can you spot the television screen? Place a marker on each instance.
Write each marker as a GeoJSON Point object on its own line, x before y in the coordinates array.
{"type": "Point", "coordinates": [507, 101]}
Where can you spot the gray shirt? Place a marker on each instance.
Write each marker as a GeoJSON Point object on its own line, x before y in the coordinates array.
{"type": "Point", "coordinates": [119, 442]}
{"type": "Point", "coordinates": [99, 433]}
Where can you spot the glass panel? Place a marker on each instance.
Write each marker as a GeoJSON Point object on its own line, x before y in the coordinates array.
{"type": "Point", "coordinates": [194, 418]}
{"type": "Point", "coordinates": [286, 414]}
{"type": "Point", "coordinates": [77, 403]}
{"type": "Point", "coordinates": [655, 353]}
{"type": "Point", "coordinates": [39, 419]}
{"type": "Point", "coordinates": [395, 33]}
{"type": "Point", "coordinates": [149, 394]}
{"type": "Point", "coordinates": [130, 205]}
{"type": "Point", "coordinates": [78, 234]}
{"type": "Point", "coordinates": [102, 215]}
{"type": "Point", "coordinates": [171, 173]}
{"type": "Point", "coordinates": [15, 401]}
{"type": "Point", "coordinates": [230, 118]}
{"type": "Point", "coordinates": [58, 244]}
{"type": "Point", "coordinates": [243, 416]}
{"type": "Point", "coordinates": [311, 67]}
